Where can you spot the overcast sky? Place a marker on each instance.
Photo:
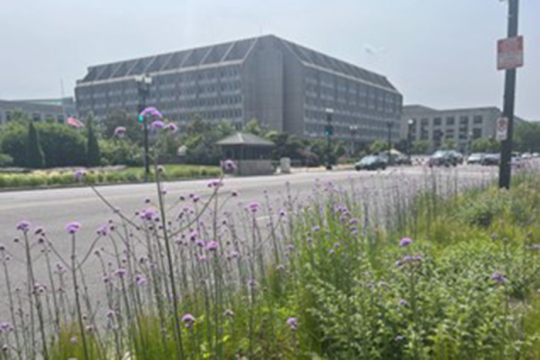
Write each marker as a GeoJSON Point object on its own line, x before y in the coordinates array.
{"type": "Point", "coordinates": [438, 53]}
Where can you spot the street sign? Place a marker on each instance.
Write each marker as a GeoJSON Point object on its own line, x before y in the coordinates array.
{"type": "Point", "coordinates": [510, 53]}
{"type": "Point", "coordinates": [502, 129]}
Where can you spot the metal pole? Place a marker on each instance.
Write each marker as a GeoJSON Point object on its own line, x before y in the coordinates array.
{"type": "Point", "coordinates": [143, 92]}
{"type": "Point", "coordinates": [509, 102]}
{"type": "Point", "coordinates": [328, 140]}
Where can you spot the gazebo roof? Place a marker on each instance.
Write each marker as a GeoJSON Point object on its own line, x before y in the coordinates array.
{"type": "Point", "coordinates": [240, 138]}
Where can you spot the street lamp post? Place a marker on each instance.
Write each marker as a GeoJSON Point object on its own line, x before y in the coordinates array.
{"type": "Point", "coordinates": [329, 133]}
{"type": "Point", "coordinates": [143, 90]}
{"type": "Point", "coordinates": [353, 129]}
{"type": "Point", "coordinates": [390, 125]}
{"type": "Point", "coordinates": [410, 124]}
{"type": "Point", "coordinates": [509, 101]}
{"type": "Point", "coordinates": [469, 145]}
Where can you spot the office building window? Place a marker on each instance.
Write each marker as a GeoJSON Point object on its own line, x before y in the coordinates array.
{"type": "Point", "coordinates": [36, 117]}
{"type": "Point", "coordinates": [477, 133]}
{"type": "Point", "coordinates": [478, 119]}
{"type": "Point", "coordinates": [450, 121]}
{"type": "Point", "coordinates": [437, 121]}
{"type": "Point", "coordinates": [464, 120]}
{"type": "Point", "coordinates": [425, 122]}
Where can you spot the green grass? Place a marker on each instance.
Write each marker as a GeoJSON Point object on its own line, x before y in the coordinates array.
{"type": "Point", "coordinates": [58, 178]}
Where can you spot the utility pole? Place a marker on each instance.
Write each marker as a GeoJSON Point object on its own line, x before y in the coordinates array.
{"type": "Point", "coordinates": [329, 133]}
{"type": "Point", "coordinates": [509, 101]}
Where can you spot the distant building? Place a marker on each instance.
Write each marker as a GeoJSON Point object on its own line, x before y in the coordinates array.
{"type": "Point", "coordinates": [460, 125]}
{"type": "Point", "coordinates": [284, 85]}
{"type": "Point", "coordinates": [39, 110]}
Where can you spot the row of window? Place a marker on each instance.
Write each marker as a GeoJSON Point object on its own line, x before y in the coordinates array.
{"type": "Point", "coordinates": [449, 133]}
{"type": "Point", "coordinates": [8, 116]}
{"type": "Point", "coordinates": [450, 121]}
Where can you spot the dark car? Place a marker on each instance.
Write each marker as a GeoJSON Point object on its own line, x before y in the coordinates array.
{"type": "Point", "coordinates": [443, 158]}
{"type": "Point", "coordinates": [475, 159]}
{"type": "Point", "coordinates": [372, 162]}
{"type": "Point", "coordinates": [491, 160]}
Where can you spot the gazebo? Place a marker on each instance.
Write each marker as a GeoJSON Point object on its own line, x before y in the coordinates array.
{"type": "Point", "coordinates": [251, 153]}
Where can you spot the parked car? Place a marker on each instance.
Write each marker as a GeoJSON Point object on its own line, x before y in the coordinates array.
{"type": "Point", "coordinates": [458, 156]}
{"type": "Point", "coordinates": [516, 162]}
{"type": "Point", "coordinates": [372, 162]}
{"type": "Point", "coordinates": [402, 159]}
{"type": "Point", "coordinates": [443, 158]}
{"type": "Point", "coordinates": [475, 159]}
{"type": "Point", "coordinates": [491, 160]}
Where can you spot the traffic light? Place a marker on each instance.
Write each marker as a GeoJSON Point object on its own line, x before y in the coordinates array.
{"type": "Point", "coordinates": [329, 130]}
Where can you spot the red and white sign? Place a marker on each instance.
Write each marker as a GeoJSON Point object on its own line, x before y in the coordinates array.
{"type": "Point", "coordinates": [502, 129]}
{"type": "Point", "coordinates": [510, 53]}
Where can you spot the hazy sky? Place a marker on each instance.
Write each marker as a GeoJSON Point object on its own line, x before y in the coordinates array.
{"type": "Point", "coordinates": [439, 53]}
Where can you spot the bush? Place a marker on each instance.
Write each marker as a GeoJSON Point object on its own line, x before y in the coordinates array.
{"type": "Point", "coordinates": [121, 152]}
{"type": "Point", "coordinates": [5, 160]}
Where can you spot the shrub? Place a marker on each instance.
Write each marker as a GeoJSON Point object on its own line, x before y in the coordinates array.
{"type": "Point", "coordinates": [5, 160]}
{"type": "Point", "coordinates": [34, 154]}
{"type": "Point", "coordinates": [121, 152]}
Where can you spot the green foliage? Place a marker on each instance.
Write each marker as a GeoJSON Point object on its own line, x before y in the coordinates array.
{"type": "Point", "coordinates": [93, 156]}
{"type": "Point", "coordinates": [121, 152]}
{"type": "Point", "coordinates": [62, 145]}
{"type": "Point", "coordinates": [420, 147]}
{"type": "Point", "coordinates": [378, 146]}
{"type": "Point", "coordinates": [5, 160]}
{"type": "Point", "coordinates": [527, 137]}
{"type": "Point", "coordinates": [485, 145]}
{"type": "Point", "coordinates": [254, 127]}
{"type": "Point", "coordinates": [448, 144]}
{"type": "Point", "coordinates": [34, 154]}
{"type": "Point", "coordinates": [200, 139]}
{"type": "Point", "coordinates": [121, 118]}
{"type": "Point", "coordinates": [286, 145]}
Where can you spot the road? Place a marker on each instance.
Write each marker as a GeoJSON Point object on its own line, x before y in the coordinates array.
{"type": "Point", "coordinates": [53, 209]}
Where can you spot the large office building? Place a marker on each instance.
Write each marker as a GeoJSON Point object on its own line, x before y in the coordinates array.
{"type": "Point", "coordinates": [285, 86]}
{"type": "Point", "coordinates": [57, 110]}
{"type": "Point", "coordinates": [462, 126]}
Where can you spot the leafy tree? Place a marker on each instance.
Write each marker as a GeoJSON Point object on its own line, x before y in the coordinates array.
{"type": "Point", "coordinates": [121, 118]}
{"type": "Point", "coordinates": [378, 146]}
{"type": "Point", "coordinates": [14, 137]}
{"type": "Point", "coordinates": [254, 127]}
{"type": "Point", "coordinates": [34, 154]}
{"type": "Point", "coordinates": [120, 152]}
{"type": "Point", "coordinates": [200, 139]}
{"type": "Point", "coordinates": [286, 145]}
{"type": "Point", "coordinates": [527, 137]}
{"type": "Point", "coordinates": [62, 145]}
{"type": "Point", "coordinates": [485, 145]}
{"type": "Point", "coordinates": [448, 144]}
{"type": "Point", "coordinates": [420, 147]}
{"type": "Point", "coordinates": [92, 147]}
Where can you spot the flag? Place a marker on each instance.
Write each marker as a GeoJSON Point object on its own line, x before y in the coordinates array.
{"type": "Point", "coordinates": [75, 123]}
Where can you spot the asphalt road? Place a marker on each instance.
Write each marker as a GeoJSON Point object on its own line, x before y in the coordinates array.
{"type": "Point", "coordinates": [53, 209]}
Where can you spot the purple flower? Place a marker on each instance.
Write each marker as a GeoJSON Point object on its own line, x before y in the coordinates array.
{"type": "Point", "coordinates": [111, 314]}
{"type": "Point", "coordinates": [6, 327]}
{"type": "Point", "coordinates": [253, 207]}
{"type": "Point", "coordinates": [39, 230]}
{"type": "Point", "coordinates": [282, 213]}
{"type": "Point", "coordinates": [120, 272]}
{"type": "Point", "coordinates": [23, 226]}
{"type": "Point", "coordinates": [172, 127]}
{"type": "Point", "coordinates": [79, 174]}
{"type": "Point", "coordinates": [215, 183]}
{"type": "Point", "coordinates": [103, 231]}
{"type": "Point", "coordinates": [148, 214]}
{"type": "Point", "coordinates": [189, 320]}
{"type": "Point", "coordinates": [405, 242]}
{"type": "Point", "coordinates": [120, 131]}
{"type": "Point", "coordinates": [403, 302]}
{"type": "Point", "coordinates": [315, 228]}
{"type": "Point", "coordinates": [293, 323]}
{"type": "Point", "coordinates": [158, 124]}
{"type": "Point", "coordinates": [74, 340]}
{"type": "Point", "coordinates": [140, 280]}
{"type": "Point", "coordinates": [228, 313]}
{"type": "Point", "coordinates": [151, 111]}
{"type": "Point", "coordinates": [73, 227]}
{"type": "Point", "coordinates": [229, 165]}
{"type": "Point", "coordinates": [498, 277]}
{"type": "Point", "coordinates": [212, 246]}
{"type": "Point", "coordinates": [193, 235]}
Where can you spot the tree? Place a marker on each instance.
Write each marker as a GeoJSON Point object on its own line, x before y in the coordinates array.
{"type": "Point", "coordinates": [378, 146]}
{"type": "Point", "coordinates": [448, 144]}
{"type": "Point", "coordinates": [34, 154]}
{"type": "Point", "coordinates": [485, 145]}
{"type": "Point", "coordinates": [92, 146]}
{"type": "Point", "coordinates": [254, 127]}
{"type": "Point", "coordinates": [121, 118]}
{"type": "Point", "coordinates": [420, 147]}
{"type": "Point", "coordinates": [286, 145]}
{"type": "Point", "coordinates": [527, 137]}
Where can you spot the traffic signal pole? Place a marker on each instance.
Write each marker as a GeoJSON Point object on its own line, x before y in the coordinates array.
{"type": "Point", "coordinates": [509, 102]}
{"type": "Point", "coordinates": [143, 93]}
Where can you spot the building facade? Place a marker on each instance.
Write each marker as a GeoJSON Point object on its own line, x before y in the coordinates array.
{"type": "Point", "coordinates": [39, 110]}
{"type": "Point", "coordinates": [462, 126]}
{"type": "Point", "coordinates": [285, 86]}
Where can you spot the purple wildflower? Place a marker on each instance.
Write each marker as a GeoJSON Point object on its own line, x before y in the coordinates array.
{"type": "Point", "coordinates": [39, 230]}
{"type": "Point", "coordinates": [140, 280]}
{"type": "Point", "coordinates": [158, 124]}
{"type": "Point", "coordinates": [120, 131]}
{"type": "Point", "coordinates": [148, 214]}
{"type": "Point", "coordinates": [151, 111]}
{"type": "Point", "coordinates": [6, 327]}
{"type": "Point", "coordinates": [315, 228]}
{"type": "Point", "coordinates": [193, 235]}
{"type": "Point", "coordinates": [403, 302]}
{"type": "Point", "coordinates": [74, 340]}
{"type": "Point", "coordinates": [189, 320]}
{"type": "Point", "coordinates": [215, 183]}
{"type": "Point", "coordinates": [228, 313]}
{"type": "Point", "coordinates": [103, 231]}
{"type": "Point", "coordinates": [212, 246]}
{"type": "Point", "coordinates": [229, 165]}
{"type": "Point", "coordinates": [498, 277]}
{"type": "Point", "coordinates": [253, 207]}
{"type": "Point", "coordinates": [23, 226]}
{"type": "Point", "coordinates": [73, 227]}
{"type": "Point", "coordinates": [79, 174]}
{"type": "Point", "coordinates": [405, 242]}
{"type": "Point", "coordinates": [121, 272]}
{"type": "Point", "coordinates": [172, 127]}
{"type": "Point", "coordinates": [282, 213]}
{"type": "Point", "coordinates": [293, 323]}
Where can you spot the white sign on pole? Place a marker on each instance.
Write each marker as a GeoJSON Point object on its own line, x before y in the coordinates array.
{"type": "Point", "coordinates": [502, 129]}
{"type": "Point", "coordinates": [510, 53]}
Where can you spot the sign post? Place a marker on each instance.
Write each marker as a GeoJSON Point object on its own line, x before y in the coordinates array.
{"type": "Point", "coordinates": [502, 129]}
{"type": "Point", "coordinates": [509, 58]}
